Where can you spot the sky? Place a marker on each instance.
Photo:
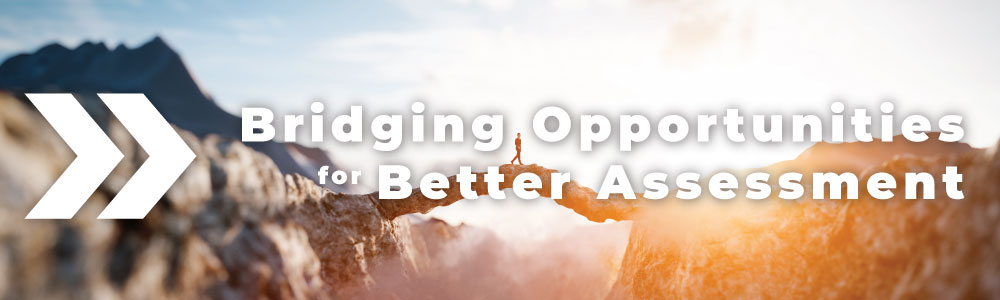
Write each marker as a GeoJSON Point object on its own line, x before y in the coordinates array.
{"type": "Point", "coordinates": [611, 57]}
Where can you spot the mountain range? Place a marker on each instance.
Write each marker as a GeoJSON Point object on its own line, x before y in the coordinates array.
{"type": "Point", "coordinates": [155, 70]}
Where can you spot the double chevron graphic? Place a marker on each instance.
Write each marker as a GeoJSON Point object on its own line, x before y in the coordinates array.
{"type": "Point", "coordinates": [97, 156]}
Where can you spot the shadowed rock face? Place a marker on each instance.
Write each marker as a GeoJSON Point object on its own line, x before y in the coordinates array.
{"type": "Point", "coordinates": [231, 227]}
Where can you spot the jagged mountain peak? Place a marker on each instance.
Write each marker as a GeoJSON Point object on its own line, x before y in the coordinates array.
{"type": "Point", "coordinates": [154, 69]}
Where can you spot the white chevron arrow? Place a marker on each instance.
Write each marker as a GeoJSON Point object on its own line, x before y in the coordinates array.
{"type": "Point", "coordinates": [168, 157]}
{"type": "Point", "coordinates": [96, 156]}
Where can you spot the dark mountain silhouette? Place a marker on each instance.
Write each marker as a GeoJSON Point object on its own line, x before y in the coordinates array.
{"type": "Point", "coordinates": [155, 70]}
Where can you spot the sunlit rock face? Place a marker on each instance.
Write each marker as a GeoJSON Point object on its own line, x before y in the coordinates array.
{"type": "Point", "coordinates": [867, 248]}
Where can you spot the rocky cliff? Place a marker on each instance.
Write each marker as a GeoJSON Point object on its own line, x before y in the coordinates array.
{"type": "Point", "coordinates": [844, 249]}
{"type": "Point", "coordinates": [234, 227]}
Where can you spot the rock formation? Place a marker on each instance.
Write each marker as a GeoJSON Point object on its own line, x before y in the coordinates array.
{"type": "Point", "coordinates": [845, 249]}
{"type": "Point", "coordinates": [231, 227]}
{"type": "Point", "coordinates": [219, 233]}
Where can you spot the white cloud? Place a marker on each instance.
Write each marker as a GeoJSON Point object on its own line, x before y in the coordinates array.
{"type": "Point", "coordinates": [8, 45]}
{"type": "Point", "coordinates": [88, 17]}
{"type": "Point", "coordinates": [179, 5]}
{"type": "Point", "coordinates": [255, 24]}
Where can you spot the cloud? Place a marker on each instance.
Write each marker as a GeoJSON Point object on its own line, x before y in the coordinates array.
{"type": "Point", "coordinates": [255, 24]}
{"type": "Point", "coordinates": [179, 5]}
{"type": "Point", "coordinates": [255, 39]}
{"type": "Point", "coordinates": [8, 45]}
{"type": "Point", "coordinates": [88, 17]}
{"type": "Point", "coordinates": [255, 31]}
{"type": "Point", "coordinates": [490, 5]}
{"type": "Point", "coordinates": [76, 21]}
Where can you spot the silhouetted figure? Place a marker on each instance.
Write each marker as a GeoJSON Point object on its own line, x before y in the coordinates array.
{"type": "Point", "coordinates": [517, 145]}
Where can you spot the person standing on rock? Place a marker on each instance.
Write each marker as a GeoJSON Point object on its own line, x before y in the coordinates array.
{"type": "Point", "coordinates": [517, 145]}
